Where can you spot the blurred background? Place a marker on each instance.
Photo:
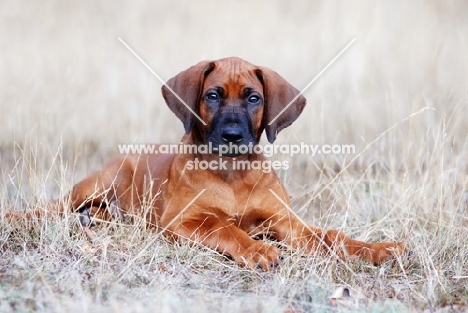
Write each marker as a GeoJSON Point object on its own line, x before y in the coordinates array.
{"type": "Point", "coordinates": [66, 82]}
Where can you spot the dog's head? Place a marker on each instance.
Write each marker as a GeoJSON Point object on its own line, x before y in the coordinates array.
{"type": "Point", "coordinates": [231, 101]}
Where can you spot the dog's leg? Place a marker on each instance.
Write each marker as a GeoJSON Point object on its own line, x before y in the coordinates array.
{"type": "Point", "coordinates": [213, 229]}
{"type": "Point", "coordinates": [286, 227]}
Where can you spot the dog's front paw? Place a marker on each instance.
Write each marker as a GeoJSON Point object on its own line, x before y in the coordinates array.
{"type": "Point", "coordinates": [386, 251]}
{"type": "Point", "coordinates": [260, 256]}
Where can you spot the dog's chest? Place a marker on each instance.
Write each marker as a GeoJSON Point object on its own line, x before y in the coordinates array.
{"type": "Point", "coordinates": [235, 198]}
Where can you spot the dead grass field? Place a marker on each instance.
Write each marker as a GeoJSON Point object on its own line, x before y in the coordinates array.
{"type": "Point", "coordinates": [70, 93]}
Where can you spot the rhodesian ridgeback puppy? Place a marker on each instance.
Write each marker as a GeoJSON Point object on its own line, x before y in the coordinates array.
{"type": "Point", "coordinates": [228, 102]}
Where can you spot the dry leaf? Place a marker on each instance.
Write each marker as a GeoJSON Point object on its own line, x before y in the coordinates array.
{"type": "Point", "coordinates": [161, 267]}
{"type": "Point", "coordinates": [341, 296]}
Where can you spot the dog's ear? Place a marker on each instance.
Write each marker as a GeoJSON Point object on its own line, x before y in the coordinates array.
{"type": "Point", "coordinates": [278, 94]}
{"type": "Point", "coordinates": [186, 85]}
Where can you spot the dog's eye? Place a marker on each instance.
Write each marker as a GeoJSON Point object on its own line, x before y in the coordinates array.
{"type": "Point", "coordinates": [254, 99]}
{"type": "Point", "coordinates": [212, 96]}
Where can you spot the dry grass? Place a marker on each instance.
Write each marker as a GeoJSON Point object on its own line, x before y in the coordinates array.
{"type": "Point", "coordinates": [70, 92]}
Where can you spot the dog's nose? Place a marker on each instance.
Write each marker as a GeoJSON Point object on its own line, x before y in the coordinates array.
{"type": "Point", "coordinates": [232, 134]}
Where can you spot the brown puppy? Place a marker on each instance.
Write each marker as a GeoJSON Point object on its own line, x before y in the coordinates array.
{"type": "Point", "coordinates": [219, 208]}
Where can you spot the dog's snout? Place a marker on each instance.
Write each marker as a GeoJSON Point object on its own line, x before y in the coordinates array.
{"type": "Point", "coordinates": [232, 134]}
